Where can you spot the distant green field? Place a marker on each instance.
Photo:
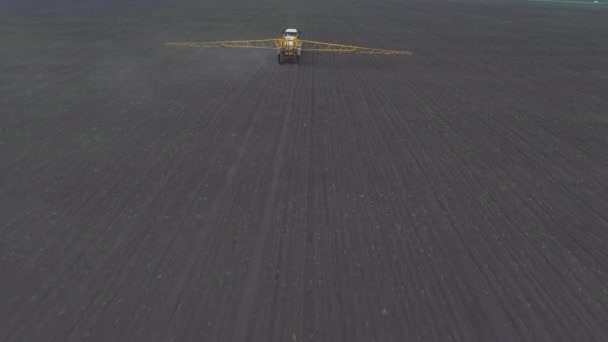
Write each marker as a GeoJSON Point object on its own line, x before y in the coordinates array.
{"type": "Point", "coordinates": [594, 3]}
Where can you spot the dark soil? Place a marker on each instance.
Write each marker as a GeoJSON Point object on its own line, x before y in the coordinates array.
{"type": "Point", "coordinates": [161, 193]}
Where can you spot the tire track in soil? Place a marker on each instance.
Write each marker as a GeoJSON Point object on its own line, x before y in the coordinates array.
{"type": "Point", "coordinates": [170, 304]}
{"type": "Point", "coordinates": [245, 318]}
{"type": "Point", "coordinates": [289, 245]}
{"type": "Point", "coordinates": [246, 322]}
{"type": "Point", "coordinates": [216, 307]}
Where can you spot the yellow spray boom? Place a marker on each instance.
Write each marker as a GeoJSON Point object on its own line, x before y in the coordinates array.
{"type": "Point", "coordinates": [289, 45]}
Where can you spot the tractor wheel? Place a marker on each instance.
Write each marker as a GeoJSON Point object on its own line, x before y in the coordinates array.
{"type": "Point", "coordinates": [297, 59]}
{"type": "Point", "coordinates": [280, 59]}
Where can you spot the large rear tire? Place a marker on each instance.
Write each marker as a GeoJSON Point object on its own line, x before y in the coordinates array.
{"type": "Point", "coordinates": [297, 59]}
{"type": "Point", "coordinates": [280, 59]}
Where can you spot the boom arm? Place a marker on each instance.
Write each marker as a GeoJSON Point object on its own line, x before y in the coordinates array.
{"type": "Point", "coordinates": [307, 45]}
{"type": "Point", "coordinates": [251, 44]}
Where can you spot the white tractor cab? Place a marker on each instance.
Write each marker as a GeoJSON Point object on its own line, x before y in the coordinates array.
{"type": "Point", "coordinates": [291, 32]}
{"type": "Point", "coordinates": [290, 45]}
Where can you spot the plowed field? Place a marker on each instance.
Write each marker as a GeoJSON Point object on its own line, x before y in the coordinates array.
{"type": "Point", "coordinates": [162, 193]}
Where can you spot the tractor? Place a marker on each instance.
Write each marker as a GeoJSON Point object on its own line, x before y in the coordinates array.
{"type": "Point", "coordinates": [290, 46]}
